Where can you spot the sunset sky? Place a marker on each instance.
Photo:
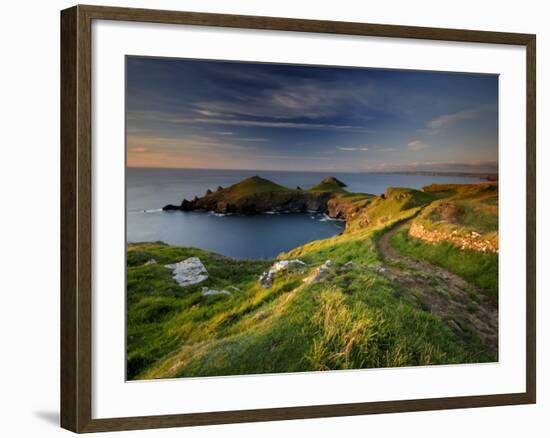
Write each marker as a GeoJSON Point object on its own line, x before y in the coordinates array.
{"type": "Point", "coordinates": [229, 115]}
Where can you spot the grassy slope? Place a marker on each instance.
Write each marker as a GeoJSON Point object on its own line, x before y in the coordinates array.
{"type": "Point", "coordinates": [330, 184]}
{"type": "Point", "coordinates": [253, 186]}
{"type": "Point", "coordinates": [354, 318]}
{"type": "Point", "coordinates": [478, 212]}
{"type": "Point", "coordinates": [477, 206]}
{"type": "Point", "coordinates": [478, 268]}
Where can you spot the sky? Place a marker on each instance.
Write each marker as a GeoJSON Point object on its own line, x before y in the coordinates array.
{"type": "Point", "coordinates": [236, 115]}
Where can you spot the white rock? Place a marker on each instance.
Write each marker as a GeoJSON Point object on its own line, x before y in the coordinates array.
{"type": "Point", "coordinates": [319, 273]}
{"type": "Point", "coordinates": [376, 268]}
{"type": "Point", "coordinates": [189, 271]}
{"type": "Point", "coordinates": [266, 279]}
{"type": "Point", "coordinates": [150, 262]}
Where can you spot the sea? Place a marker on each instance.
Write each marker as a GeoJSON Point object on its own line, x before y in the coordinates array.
{"type": "Point", "coordinates": [245, 237]}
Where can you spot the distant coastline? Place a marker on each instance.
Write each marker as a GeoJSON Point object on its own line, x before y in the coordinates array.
{"type": "Point", "coordinates": [486, 176]}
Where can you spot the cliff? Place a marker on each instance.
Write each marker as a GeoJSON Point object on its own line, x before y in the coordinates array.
{"type": "Point", "coordinates": [256, 195]}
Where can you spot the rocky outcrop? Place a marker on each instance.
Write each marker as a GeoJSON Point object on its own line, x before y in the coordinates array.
{"type": "Point", "coordinates": [257, 195]}
{"type": "Point", "coordinates": [319, 273]}
{"type": "Point", "coordinates": [473, 240]}
{"type": "Point", "coordinates": [339, 207]}
{"type": "Point", "coordinates": [188, 272]}
{"type": "Point", "coordinates": [267, 278]}
{"type": "Point", "coordinates": [291, 201]}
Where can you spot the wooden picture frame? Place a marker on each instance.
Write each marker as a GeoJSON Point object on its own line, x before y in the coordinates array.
{"type": "Point", "coordinates": [76, 218]}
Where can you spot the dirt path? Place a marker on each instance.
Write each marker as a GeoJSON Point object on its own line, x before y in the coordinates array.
{"type": "Point", "coordinates": [463, 306]}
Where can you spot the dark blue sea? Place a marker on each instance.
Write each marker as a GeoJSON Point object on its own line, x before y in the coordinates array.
{"type": "Point", "coordinates": [251, 237]}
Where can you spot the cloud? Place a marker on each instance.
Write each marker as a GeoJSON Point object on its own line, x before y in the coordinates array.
{"type": "Point", "coordinates": [283, 99]}
{"type": "Point", "coordinates": [353, 149]}
{"type": "Point", "coordinates": [139, 144]}
{"type": "Point", "coordinates": [448, 120]}
{"type": "Point", "coordinates": [178, 119]}
{"type": "Point", "coordinates": [252, 139]}
{"type": "Point", "coordinates": [138, 149]}
{"type": "Point", "coordinates": [269, 124]}
{"type": "Point", "coordinates": [417, 145]}
{"type": "Point", "coordinates": [208, 113]}
{"type": "Point", "coordinates": [474, 166]}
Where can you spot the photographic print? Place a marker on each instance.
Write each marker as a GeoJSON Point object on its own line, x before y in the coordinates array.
{"type": "Point", "coordinates": [296, 218]}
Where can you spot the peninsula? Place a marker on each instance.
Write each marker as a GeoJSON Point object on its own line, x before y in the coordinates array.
{"type": "Point", "coordinates": [256, 195]}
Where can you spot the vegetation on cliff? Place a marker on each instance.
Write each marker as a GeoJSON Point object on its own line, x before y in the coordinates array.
{"type": "Point", "coordinates": [256, 195]}
{"type": "Point", "coordinates": [367, 310]}
{"type": "Point", "coordinates": [330, 184]}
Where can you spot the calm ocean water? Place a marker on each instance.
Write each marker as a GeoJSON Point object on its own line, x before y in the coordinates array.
{"type": "Point", "coordinates": [265, 236]}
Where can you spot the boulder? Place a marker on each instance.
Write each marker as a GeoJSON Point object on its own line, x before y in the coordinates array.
{"type": "Point", "coordinates": [319, 273]}
{"type": "Point", "coordinates": [188, 272]}
{"type": "Point", "coordinates": [376, 267]}
{"type": "Point", "coordinates": [266, 279]}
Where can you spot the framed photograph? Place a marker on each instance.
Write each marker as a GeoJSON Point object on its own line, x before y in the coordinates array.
{"type": "Point", "coordinates": [270, 219]}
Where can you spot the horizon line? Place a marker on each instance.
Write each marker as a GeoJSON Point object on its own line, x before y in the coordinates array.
{"type": "Point", "coordinates": [484, 172]}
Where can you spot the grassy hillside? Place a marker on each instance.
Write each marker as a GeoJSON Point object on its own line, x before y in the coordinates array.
{"type": "Point", "coordinates": [460, 210]}
{"type": "Point", "coordinates": [330, 184]}
{"type": "Point", "coordinates": [256, 195]}
{"type": "Point", "coordinates": [254, 185]}
{"type": "Point", "coordinates": [478, 268]}
{"type": "Point", "coordinates": [355, 316]}
{"type": "Point", "coordinates": [464, 208]}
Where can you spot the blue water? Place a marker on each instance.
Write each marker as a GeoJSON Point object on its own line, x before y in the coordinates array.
{"type": "Point", "coordinates": [252, 237]}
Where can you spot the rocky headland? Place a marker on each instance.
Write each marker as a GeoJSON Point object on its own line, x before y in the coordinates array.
{"type": "Point", "coordinates": [256, 195]}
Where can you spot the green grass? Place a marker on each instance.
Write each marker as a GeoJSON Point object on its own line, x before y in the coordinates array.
{"type": "Point", "coordinates": [253, 186]}
{"type": "Point", "coordinates": [162, 315]}
{"type": "Point", "coordinates": [478, 268]}
{"type": "Point", "coordinates": [353, 318]}
{"type": "Point", "coordinates": [482, 217]}
{"type": "Point", "coordinates": [330, 184]}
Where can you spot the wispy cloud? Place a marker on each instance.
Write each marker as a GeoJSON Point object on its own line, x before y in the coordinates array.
{"type": "Point", "coordinates": [254, 140]}
{"type": "Point", "coordinates": [137, 149]}
{"type": "Point", "coordinates": [417, 145]}
{"type": "Point", "coordinates": [177, 119]}
{"type": "Point", "coordinates": [137, 143]}
{"type": "Point", "coordinates": [303, 98]}
{"type": "Point", "coordinates": [363, 149]}
{"type": "Point", "coordinates": [448, 120]}
{"type": "Point", "coordinates": [269, 124]}
{"type": "Point", "coordinates": [475, 166]}
{"type": "Point", "coordinates": [208, 113]}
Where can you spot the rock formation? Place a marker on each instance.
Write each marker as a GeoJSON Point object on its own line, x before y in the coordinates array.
{"type": "Point", "coordinates": [256, 195]}
{"type": "Point", "coordinates": [266, 279]}
{"type": "Point", "coordinates": [188, 272]}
